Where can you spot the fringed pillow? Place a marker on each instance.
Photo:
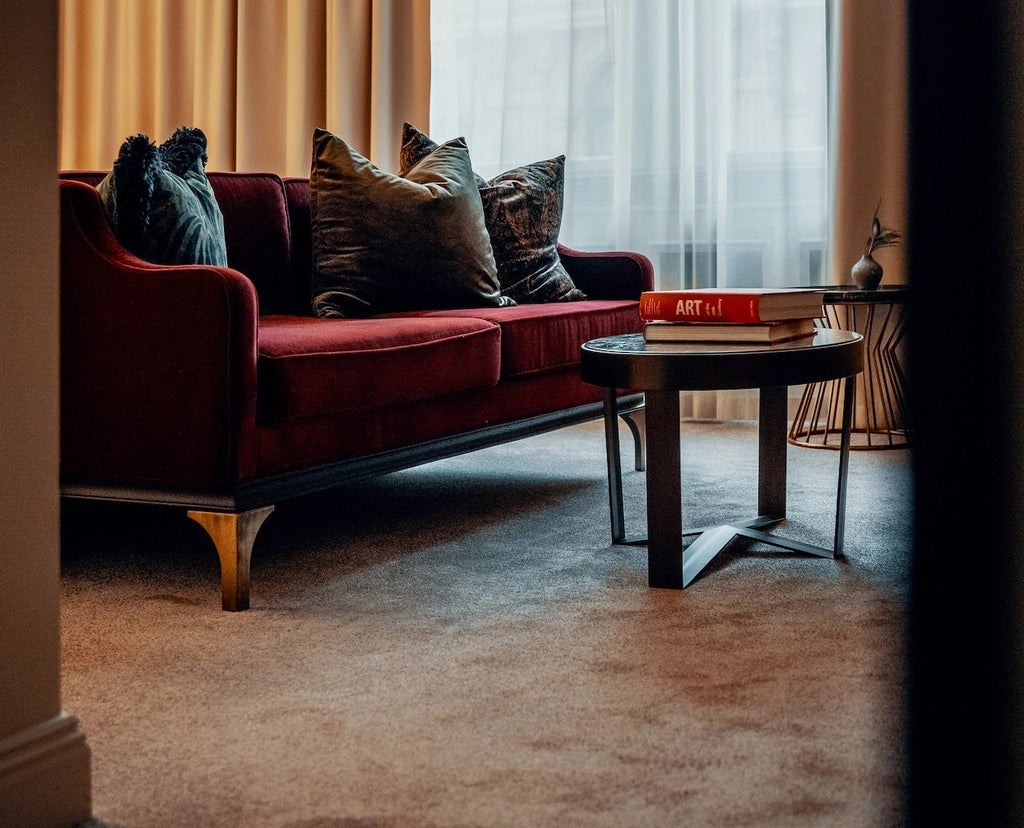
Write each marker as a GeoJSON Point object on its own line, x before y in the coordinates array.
{"type": "Point", "coordinates": [160, 203]}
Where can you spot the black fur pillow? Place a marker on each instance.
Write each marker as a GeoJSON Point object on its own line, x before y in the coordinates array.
{"type": "Point", "coordinates": [160, 203]}
{"type": "Point", "coordinates": [523, 216]}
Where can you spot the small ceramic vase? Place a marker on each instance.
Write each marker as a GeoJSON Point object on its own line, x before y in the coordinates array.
{"type": "Point", "coordinates": [867, 273]}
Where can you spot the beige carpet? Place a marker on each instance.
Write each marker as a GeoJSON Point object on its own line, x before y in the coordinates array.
{"type": "Point", "coordinates": [459, 645]}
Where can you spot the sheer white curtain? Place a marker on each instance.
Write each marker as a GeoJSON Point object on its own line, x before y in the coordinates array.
{"type": "Point", "coordinates": [695, 131]}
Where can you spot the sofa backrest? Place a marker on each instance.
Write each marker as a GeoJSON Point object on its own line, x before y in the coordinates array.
{"type": "Point", "coordinates": [258, 234]}
{"type": "Point", "coordinates": [261, 242]}
{"type": "Point", "coordinates": [296, 192]}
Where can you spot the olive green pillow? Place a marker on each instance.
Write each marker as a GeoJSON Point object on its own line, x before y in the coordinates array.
{"type": "Point", "coordinates": [523, 215]}
{"type": "Point", "coordinates": [384, 243]}
{"type": "Point", "coordinates": [160, 203]}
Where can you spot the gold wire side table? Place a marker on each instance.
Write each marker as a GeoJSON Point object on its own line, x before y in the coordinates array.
{"type": "Point", "coordinates": [881, 413]}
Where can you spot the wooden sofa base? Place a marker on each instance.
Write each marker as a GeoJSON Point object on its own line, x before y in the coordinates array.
{"type": "Point", "coordinates": [233, 520]}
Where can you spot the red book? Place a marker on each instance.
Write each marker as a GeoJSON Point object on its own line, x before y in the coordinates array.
{"type": "Point", "coordinates": [739, 305]}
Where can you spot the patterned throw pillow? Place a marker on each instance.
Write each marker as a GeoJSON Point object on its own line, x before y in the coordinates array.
{"type": "Point", "coordinates": [160, 203]}
{"type": "Point", "coordinates": [523, 215]}
{"type": "Point", "coordinates": [384, 243]}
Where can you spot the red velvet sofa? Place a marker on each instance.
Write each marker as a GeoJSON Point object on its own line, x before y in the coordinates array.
{"type": "Point", "coordinates": [216, 389]}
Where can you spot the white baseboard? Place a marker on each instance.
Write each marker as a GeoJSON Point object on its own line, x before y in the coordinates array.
{"type": "Point", "coordinates": [45, 775]}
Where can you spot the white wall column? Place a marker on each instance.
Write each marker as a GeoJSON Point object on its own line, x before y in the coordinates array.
{"type": "Point", "coordinates": [44, 761]}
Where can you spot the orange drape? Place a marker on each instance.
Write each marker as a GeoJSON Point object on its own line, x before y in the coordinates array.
{"type": "Point", "coordinates": [257, 76]}
{"type": "Point", "coordinates": [870, 142]}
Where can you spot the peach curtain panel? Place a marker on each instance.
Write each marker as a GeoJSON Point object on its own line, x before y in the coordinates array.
{"type": "Point", "coordinates": [257, 76]}
{"type": "Point", "coordinates": [870, 140]}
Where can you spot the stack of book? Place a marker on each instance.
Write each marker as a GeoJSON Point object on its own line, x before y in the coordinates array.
{"type": "Point", "coordinates": [755, 315]}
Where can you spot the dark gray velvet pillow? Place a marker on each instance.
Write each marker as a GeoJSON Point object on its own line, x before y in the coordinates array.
{"type": "Point", "coordinates": [523, 215]}
{"type": "Point", "coordinates": [160, 203]}
{"type": "Point", "coordinates": [383, 242]}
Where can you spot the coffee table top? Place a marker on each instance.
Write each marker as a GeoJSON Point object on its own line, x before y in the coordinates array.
{"type": "Point", "coordinates": [629, 361]}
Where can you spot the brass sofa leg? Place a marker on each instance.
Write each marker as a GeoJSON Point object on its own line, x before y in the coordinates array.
{"type": "Point", "coordinates": [233, 534]}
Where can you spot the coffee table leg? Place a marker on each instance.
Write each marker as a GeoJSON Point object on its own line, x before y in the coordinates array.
{"type": "Point", "coordinates": [771, 458]}
{"type": "Point", "coordinates": [849, 394]}
{"type": "Point", "coordinates": [664, 512]}
{"type": "Point", "coordinates": [614, 460]}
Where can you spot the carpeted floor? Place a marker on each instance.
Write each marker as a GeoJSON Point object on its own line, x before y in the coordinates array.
{"type": "Point", "coordinates": [459, 645]}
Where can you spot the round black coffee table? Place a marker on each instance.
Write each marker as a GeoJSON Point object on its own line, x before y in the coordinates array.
{"type": "Point", "coordinates": [661, 370]}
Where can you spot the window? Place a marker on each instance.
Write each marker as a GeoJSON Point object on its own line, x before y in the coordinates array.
{"type": "Point", "coordinates": [695, 132]}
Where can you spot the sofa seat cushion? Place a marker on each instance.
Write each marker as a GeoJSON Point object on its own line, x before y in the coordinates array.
{"type": "Point", "coordinates": [540, 338]}
{"type": "Point", "coordinates": [311, 367]}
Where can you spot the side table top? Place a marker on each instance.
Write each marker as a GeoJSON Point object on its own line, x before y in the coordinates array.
{"type": "Point", "coordinates": [629, 361]}
{"type": "Point", "coordinates": [851, 294]}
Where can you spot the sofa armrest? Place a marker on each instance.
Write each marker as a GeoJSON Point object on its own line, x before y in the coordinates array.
{"type": "Point", "coordinates": [608, 275]}
{"type": "Point", "coordinates": [158, 363]}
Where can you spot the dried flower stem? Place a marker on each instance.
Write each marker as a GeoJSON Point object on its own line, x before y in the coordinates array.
{"type": "Point", "coordinates": [881, 236]}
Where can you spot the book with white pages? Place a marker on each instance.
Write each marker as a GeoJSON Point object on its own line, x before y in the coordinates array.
{"type": "Point", "coordinates": [764, 332]}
